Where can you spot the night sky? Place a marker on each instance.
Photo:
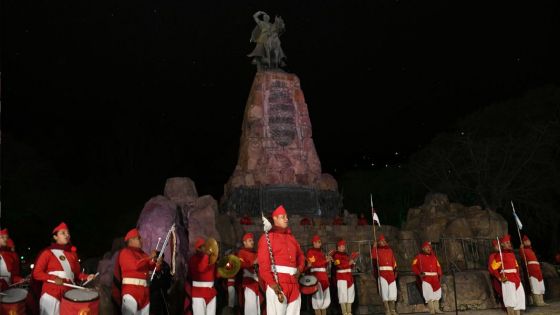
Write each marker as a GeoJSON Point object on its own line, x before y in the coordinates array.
{"type": "Point", "coordinates": [113, 97]}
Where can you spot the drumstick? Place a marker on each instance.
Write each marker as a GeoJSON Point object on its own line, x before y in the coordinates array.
{"type": "Point", "coordinates": [2, 293]}
{"type": "Point", "coordinates": [69, 285]}
{"type": "Point", "coordinates": [18, 283]}
{"type": "Point", "coordinates": [157, 245]}
{"type": "Point", "coordinates": [94, 276]}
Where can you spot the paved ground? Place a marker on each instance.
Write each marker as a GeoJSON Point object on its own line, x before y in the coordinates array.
{"type": "Point", "coordinates": [553, 309]}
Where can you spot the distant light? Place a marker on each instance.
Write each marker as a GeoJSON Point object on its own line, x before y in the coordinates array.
{"type": "Point", "coordinates": [79, 260]}
{"type": "Point", "coordinates": [372, 164]}
{"type": "Point", "coordinates": [28, 248]}
{"type": "Point", "coordinates": [32, 266]}
{"type": "Point", "coordinates": [386, 165]}
{"type": "Point", "coordinates": [462, 133]}
{"type": "Point", "coordinates": [22, 258]}
{"type": "Point", "coordinates": [396, 153]}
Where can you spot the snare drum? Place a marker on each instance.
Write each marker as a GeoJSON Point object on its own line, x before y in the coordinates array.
{"type": "Point", "coordinates": [308, 284]}
{"type": "Point", "coordinates": [80, 302]}
{"type": "Point", "coordinates": [13, 302]}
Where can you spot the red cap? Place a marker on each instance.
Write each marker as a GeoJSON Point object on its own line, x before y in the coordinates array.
{"type": "Point", "coordinates": [427, 244]}
{"type": "Point", "coordinates": [247, 236]}
{"type": "Point", "coordinates": [4, 232]}
{"type": "Point", "coordinates": [494, 242]}
{"type": "Point", "coordinates": [381, 237]}
{"type": "Point", "coordinates": [132, 233]}
{"type": "Point", "coordinates": [505, 238]}
{"type": "Point", "coordinates": [525, 238]}
{"type": "Point", "coordinates": [340, 242]}
{"type": "Point", "coordinates": [11, 244]}
{"type": "Point", "coordinates": [280, 210]}
{"type": "Point", "coordinates": [61, 226]}
{"type": "Point", "coordinates": [199, 242]}
{"type": "Point", "coordinates": [315, 238]}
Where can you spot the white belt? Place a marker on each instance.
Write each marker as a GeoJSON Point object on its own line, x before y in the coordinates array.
{"type": "Point", "coordinates": [285, 269]}
{"type": "Point", "coordinates": [203, 284]}
{"type": "Point", "coordinates": [533, 262]}
{"type": "Point", "coordinates": [248, 274]}
{"type": "Point", "coordinates": [510, 270]}
{"type": "Point", "coordinates": [6, 278]}
{"type": "Point", "coordinates": [386, 268]}
{"type": "Point", "coordinates": [429, 273]}
{"type": "Point", "coordinates": [230, 280]}
{"type": "Point", "coordinates": [60, 274]}
{"type": "Point", "coordinates": [344, 270]}
{"type": "Point", "coordinates": [318, 270]}
{"type": "Point", "coordinates": [135, 281]}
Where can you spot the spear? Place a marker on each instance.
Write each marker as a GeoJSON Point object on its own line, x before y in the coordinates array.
{"type": "Point", "coordinates": [374, 217]}
{"type": "Point", "coordinates": [163, 248]}
{"type": "Point", "coordinates": [519, 226]}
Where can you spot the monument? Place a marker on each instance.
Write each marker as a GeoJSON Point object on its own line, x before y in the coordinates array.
{"type": "Point", "coordinates": [278, 163]}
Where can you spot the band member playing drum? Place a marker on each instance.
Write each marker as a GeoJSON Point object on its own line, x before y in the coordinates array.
{"type": "Point", "coordinates": [59, 264]}
{"type": "Point", "coordinates": [9, 263]}
{"type": "Point", "coordinates": [203, 272]}
{"type": "Point", "coordinates": [344, 281]}
{"type": "Point", "coordinates": [317, 263]}
{"type": "Point", "coordinates": [385, 268]}
{"type": "Point", "coordinates": [132, 268]}
{"type": "Point", "coordinates": [282, 297]}
{"type": "Point", "coordinates": [252, 297]}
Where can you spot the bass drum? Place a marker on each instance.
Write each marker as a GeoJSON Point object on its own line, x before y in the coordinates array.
{"type": "Point", "coordinates": [80, 302]}
{"type": "Point", "coordinates": [13, 302]}
{"type": "Point", "coordinates": [309, 284]}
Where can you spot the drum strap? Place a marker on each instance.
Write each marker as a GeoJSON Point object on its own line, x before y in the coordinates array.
{"type": "Point", "coordinates": [59, 253]}
{"type": "Point", "coordinates": [4, 273]}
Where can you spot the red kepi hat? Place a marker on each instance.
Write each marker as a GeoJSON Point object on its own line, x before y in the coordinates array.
{"type": "Point", "coordinates": [340, 242]}
{"type": "Point", "coordinates": [279, 211]}
{"type": "Point", "coordinates": [199, 242]}
{"type": "Point", "coordinates": [61, 226]}
{"type": "Point", "coordinates": [4, 232]}
{"type": "Point", "coordinates": [315, 238]}
{"type": "Point", "coordinates": [247, 236]}
{"type": "Point", "coordinates": [131, 234]}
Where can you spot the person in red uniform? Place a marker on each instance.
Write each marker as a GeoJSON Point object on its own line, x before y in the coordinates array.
{"type": "Point", "coordinates": [252, 297]}
{"type": "Point", "coordinates": [282, 298]}
{"type": "Point", "coordinates": [535, 274]}
{"type": "Point", "coordinates": [202, 274]}
{"type": "Point", "coordinates": [385, 267]}
{"type": "Point", "coordinates": [56, 265]}
{"type": "Point", "coordinates": [426, 266]}
{"type": "Point", "coordinates": [496, 283]}
{"type": "Point", "coordinates": [132, 268]}
{"type": "Point", "coordinates": [508, 274]}
{"type": "Point", "coordinates": [9, 262]}
{"type": "Point", "coordinates": [344, 280]}
{"type": "Point", "coordinates": [317, 264]}
{"type": "Point", "coordinates": [362, 220]}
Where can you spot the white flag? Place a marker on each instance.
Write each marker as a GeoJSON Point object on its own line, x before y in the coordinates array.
{"type": "Point", "coordinates": [376, 218]}
{"type": "Point", "coordinates": [517, 221]}
{"type": "Point", "coordinates": [266, 223]}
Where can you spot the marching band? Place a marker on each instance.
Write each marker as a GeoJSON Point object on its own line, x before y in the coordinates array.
{"type": "Point", "coordinates": [270, 278]}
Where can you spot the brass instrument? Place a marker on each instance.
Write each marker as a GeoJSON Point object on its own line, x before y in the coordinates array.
{"type": "Point", "coordinates": [229, 266]}
{"type": "Point", "coordinates": [212, 249]}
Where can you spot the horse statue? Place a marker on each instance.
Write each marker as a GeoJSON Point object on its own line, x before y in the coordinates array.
{"type": "Point", "coordinates": [268, 53]}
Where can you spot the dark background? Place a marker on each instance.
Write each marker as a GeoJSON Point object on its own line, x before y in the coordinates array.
{"type": "Point", "coordinates": [102, 101]}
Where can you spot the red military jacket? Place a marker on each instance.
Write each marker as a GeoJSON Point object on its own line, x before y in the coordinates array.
{"type": "Point", "coordinates": [250, 278]}
{"type": "Point", "coordinates": [200, 270]}
{"type": "Point", "coordinates": [430, 264]}
{"type": "Point", "coordinates": [286, 252]}
{"type": "Point", "coordinates": [496, 283]}
{"type": "Point", "coordinates": [533, 264]}
{"type": "Point", "coordinates": [135, 263]}
{"type": "Point", "coordinates": [48, 265]}
{"type": "Point", "coordinates": [510, 267]}
{"type": "Point", "coordinates": [318, 260]}
{"type": "Point", "coordinates": [383, 256]}
{"type": "Point", "coordinates": [341, 262]}
{"type": "Point", "coordinates": [10, 261]}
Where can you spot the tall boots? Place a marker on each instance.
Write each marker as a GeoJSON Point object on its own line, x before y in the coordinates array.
{"type": "Point", "coordinates": [510, 311]}
{"type": "Point", "coordinates": [393, 308]}
{"type": "Point", "coordinates": [436, 307]}
{"type": "Point", "coordinates": [538, 300]}
{"type": "Point", "coordinates": [387, 309]}
{"type": "Point", "coordinates": [346, 308]}
{"type": "Point", "coordinates": [431, 307]}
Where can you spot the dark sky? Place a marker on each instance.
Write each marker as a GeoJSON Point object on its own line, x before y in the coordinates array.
{"type": "Point", "coordinates": [128, 90]}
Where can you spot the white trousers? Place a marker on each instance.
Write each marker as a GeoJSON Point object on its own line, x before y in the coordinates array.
{"type": "Point", "coordinates": [130, 306]}
{"type": "Point", "coordinates": [231, 296]}
{"type": "Point", "coordinates": [513, 297]}
{"type": "Point", "coordinates": [252, 303]}
{"type": "Point", "coordinates": [537, 286]}
{"type": "Point", "coordinates": [274, 307]}
{"type": "Point", "coordinates": [321, 299]}
{"type": "Point", "coordinates": [200, 307]}
{"type": "Point", "coordinates": [345, 293]}
{"type": "Point", "coordinates": [388, 291]}
{"type": "Point", "coordinates": [49, 305]}
{"type": "Point", "coordinates": [429, 293]}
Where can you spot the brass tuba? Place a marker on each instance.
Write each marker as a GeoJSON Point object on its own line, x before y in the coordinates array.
{"type": "Point", "coordinates": [212, 249]}
{"type": "Point", "coordinates": [229, 266]}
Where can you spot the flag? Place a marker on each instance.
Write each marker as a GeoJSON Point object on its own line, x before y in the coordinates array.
{"type": "Point", "coordinates": [517, 221]}
{"type": "Point", "coordinates": [267, 225]}
{"type": "Point", "coordinates": [373, 214]}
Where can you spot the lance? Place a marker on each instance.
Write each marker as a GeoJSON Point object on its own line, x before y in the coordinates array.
{"type": "Point", "coordinates": [267, 226]}
{"type": "Point", "coordinates": [375, 242]}
{"type": "Point", "coordinates": [501, 256]}
{"type": "Point", "coordinates": [522, 250]}
{"type": "Point", "coordinates": [163, 248]}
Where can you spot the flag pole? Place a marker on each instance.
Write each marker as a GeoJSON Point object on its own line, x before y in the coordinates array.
{"type": "Point", "coordinates": [521, 249]}
{"type": "Point", "coordinates": [375, 244]}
